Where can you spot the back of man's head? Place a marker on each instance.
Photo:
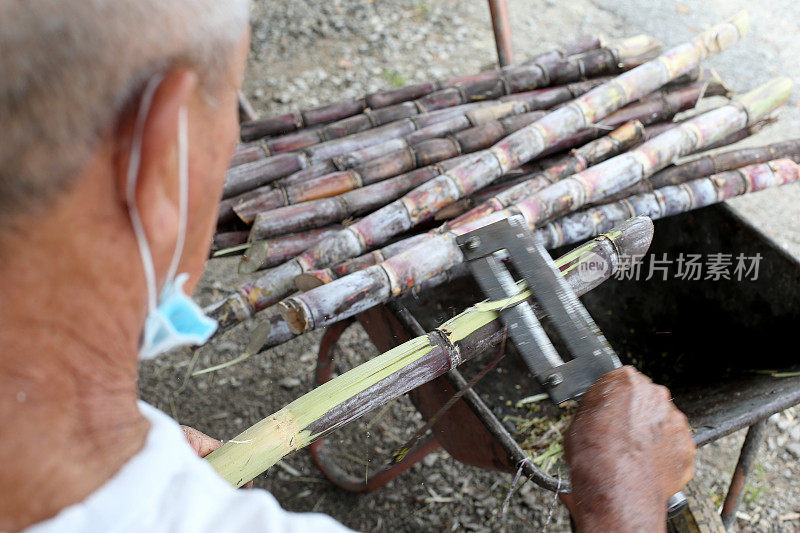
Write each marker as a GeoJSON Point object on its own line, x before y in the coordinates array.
{"type": "Point", "coordinates": [68, 68]}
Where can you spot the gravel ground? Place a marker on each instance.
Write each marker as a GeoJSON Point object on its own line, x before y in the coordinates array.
{"type": "Point", "coordinates": [307, 53]}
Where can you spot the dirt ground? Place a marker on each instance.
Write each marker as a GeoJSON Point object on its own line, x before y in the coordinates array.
{"type": "Point", "coordinates": [305, 53]}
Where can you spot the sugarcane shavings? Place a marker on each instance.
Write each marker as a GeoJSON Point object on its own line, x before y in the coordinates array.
{"type": "Point", "coordinates": [541, 432]}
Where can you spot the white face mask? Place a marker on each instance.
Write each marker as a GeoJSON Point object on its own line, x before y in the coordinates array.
{"type": "Point", "coordinates": [173, 319]}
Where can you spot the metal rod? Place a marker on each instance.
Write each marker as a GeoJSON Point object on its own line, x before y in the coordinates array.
{"type": "Point", "coordinates": [501, 25]}
{"type": "Point", "coordinates": [752, 442]}
{"type": "Point", "coordinates": [246, 111]}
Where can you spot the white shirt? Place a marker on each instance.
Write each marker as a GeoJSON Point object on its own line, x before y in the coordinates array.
{"type": "Point", "coordinates": [166, 487]}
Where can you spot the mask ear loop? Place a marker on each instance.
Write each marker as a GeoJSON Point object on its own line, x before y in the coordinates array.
{"type": "Point", "coordinates": [183, 191]}
{"type": "Point", "coordinates": [130, 193]}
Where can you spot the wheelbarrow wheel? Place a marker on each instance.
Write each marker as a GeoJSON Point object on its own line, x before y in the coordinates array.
{"type": "Point", "coordinates": [699, 516]}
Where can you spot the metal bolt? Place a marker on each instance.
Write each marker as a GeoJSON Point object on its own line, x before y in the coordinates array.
{"type": "Point", "coordinates": [473, 242]}
{"type": "Point", "coordinates": [554, 380]}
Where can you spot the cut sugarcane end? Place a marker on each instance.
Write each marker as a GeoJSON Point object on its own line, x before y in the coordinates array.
{"type": "Point", "coordinates": [308, 281]}
{"type": "Point", "coordinates": [259, 337]}
{"type": "Point", "coordinates": [294, 316]}
{"type": "Point", "coordinates": [636, 46]}
{"type": "Point", "coordinates": [254, 257]}
{"type": "Point", "coordinates": [723, 36]}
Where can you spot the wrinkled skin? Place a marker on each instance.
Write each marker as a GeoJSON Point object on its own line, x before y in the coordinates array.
{"type": "Point", "coordinates": [629, 449]}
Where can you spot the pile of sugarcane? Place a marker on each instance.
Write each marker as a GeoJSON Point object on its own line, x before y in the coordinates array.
{"type": "Point", "coordinates": [343, 207]}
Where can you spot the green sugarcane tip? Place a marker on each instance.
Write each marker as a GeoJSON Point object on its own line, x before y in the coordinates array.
{"type": "Point", "coordinates": [742, 22]}
{"type": "Point", "coordinates": [765, 98]}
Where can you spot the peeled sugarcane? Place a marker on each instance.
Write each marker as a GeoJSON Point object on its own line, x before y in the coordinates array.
{"type": "Point", "coordinates": [398, 274]}
{"type": "Point", "coordinates": [417, 361]}
{"type": "Point", "coordinates": [345, 108]}
{"type": "Point", "coordinates": [613, 144]}
{"type": "Point", "coordinates": [477, 171]}
{"type": "Point", "coordinates": [275, 251]}
{"type": "Point", "coordinates": [670, 200]}
{"type": "Point", "coordinates": [423, 153]}
{"type": "Point", "coordinates": [320, 212]}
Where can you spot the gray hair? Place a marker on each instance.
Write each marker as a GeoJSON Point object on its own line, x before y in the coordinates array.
{"type": "Point", "coordinates": [68, 68]}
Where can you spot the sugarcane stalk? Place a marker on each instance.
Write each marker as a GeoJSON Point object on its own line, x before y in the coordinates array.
{"type": "Point", "coordinates": [671, 200]}
{"type": "Point", "coordinates": [247, 176]}
{"type": "Point", "coordinates": [609, 177]}
{"type": "Point", "coordinates": [342, 109]}
{"type": "Point", "coordinates": [281, 221]}
{"type": "Point", "coordinates": [430, 126]}
{"type": "Point", "coordinates": [247, 153]}
{"type": "Point", "coordinates": [648, 185]}
{"type": "Point", "coordinates": [423, 153]}
{"type": "Point", "coordinates": [477, 171]}
{"type": "Point", "coordinates": [434, 150]}
{"type": "Point", "coordinates": [228, 239]}
{"type": "Point", "coordinates": [314, 278]}
{"type": "Point", "coordinates": [657, 106]}
{"type": "Point", "coordinates": [407, 366]}
{"type": "Point", "coordinates": [358, 201]}
{"type": "Point", "coordinates": [618, 141]}
{"type": "Point", "coordinates": [402, 272]}
{"type": "Point", "coordinates": [579, 46]}
{"type": "Point", "coordinates": [270, 252]}
{"type": "Point", "coordinates": [459, 207]}
{"type": "Point", "coordinates": [488, 85]}
{"type": "Point", "coordinates": [715, 163]}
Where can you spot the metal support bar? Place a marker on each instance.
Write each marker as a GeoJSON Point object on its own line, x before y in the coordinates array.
{"type": "Point", "coordinates": [752, 442]}
{"type": "Point", "coordinates": [246, 111]}
{"type": "Point", "coordinates": [501, 24]}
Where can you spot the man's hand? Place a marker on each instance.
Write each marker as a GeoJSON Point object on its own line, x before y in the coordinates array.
{"type": "Point", "coordinates": [203, 445]}
{"type": "Point", "coordinates": [629, 449]}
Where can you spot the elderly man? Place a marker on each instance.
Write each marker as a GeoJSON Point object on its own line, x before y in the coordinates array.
{"type": "Point", "coordinates": [118, 118]}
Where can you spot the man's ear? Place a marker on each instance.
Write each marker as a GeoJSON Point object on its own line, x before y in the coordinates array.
{"type": "Point", "coordinates": [157, 179]}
